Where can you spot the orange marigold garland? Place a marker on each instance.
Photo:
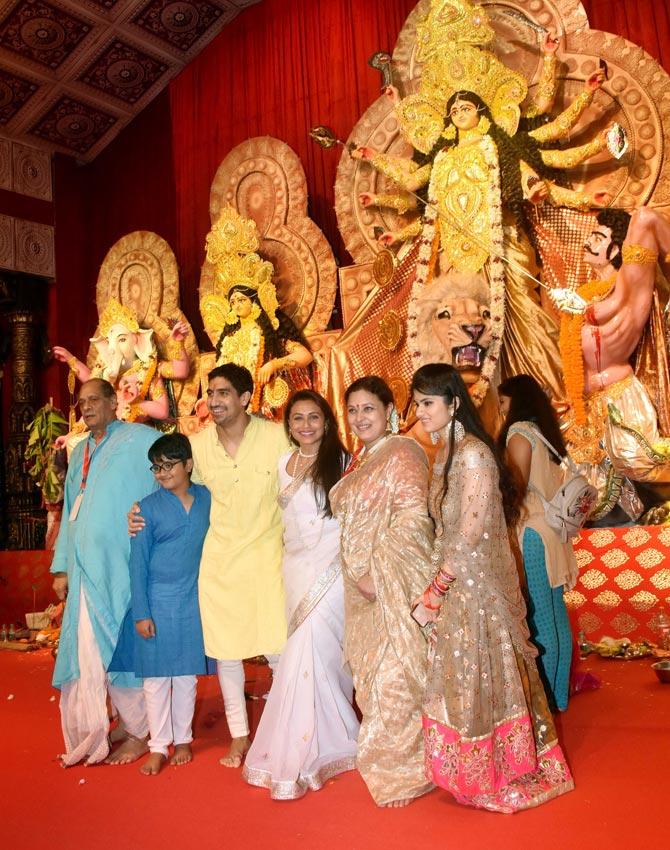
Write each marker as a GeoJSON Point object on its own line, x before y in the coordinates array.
{"type": "Point", "coordinates": [570, 345]}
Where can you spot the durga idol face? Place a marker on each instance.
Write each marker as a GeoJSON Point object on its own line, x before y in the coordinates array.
{"type": "Point", "coordinates": [464, 115]}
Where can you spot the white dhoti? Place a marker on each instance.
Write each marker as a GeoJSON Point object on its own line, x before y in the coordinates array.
{"type": "Point", "coordinates": [83, 702]}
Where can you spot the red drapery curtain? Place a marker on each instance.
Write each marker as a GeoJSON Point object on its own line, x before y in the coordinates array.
{"type": "Point", "coordinates": [128, 187]}
{"type": "Point", "coordinates": [644, 22]}
{"type": "Point", "coordinates": [280, 68]}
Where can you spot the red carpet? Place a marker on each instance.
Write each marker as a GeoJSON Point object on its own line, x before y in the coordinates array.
{"type": "Point", "coordinates": [617, 740]}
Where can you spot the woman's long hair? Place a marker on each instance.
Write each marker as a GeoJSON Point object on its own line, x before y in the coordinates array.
{"type": "Point", "coordinates": [511, 150]}
{"type": "Point", "coordinates": [275, 340]}
{"type": "Point", "coordinates": [331, 458]}
{"type": "Point", "coordinates": [529, 403]}
{"type": "Point", "coordinates": [440, 379]}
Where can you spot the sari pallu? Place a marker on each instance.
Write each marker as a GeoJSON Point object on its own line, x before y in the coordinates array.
{"type": "Point", "coordinates": [307, 733]}
{"type": "Point", "coordinates": [386, 531]}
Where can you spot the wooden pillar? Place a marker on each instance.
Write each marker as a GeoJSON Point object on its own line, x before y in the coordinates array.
{"type": "Point", "coordinates": [22, 500]}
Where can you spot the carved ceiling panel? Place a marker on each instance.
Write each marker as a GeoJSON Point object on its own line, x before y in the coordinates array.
{"type": "Point", "coordinates": [73, 73]}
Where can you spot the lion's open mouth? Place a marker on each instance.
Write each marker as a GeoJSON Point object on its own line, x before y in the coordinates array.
{"type": "Point", "coordinates": [468, 356]}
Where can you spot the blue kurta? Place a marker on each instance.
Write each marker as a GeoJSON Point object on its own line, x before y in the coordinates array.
{"type": "Point", "coordinates": [164, 565]}
{"type": "Point", "coordinates": [94, 548]}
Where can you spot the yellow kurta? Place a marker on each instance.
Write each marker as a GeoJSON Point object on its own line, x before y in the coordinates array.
{"type": "Point", "coordinates": [240, 586]}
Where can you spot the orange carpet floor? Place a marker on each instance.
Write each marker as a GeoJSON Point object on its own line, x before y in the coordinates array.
{"type": "Point", "coordinates": [617, 741]}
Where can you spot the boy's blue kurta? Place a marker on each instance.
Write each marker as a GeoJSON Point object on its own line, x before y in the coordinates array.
{"type": "Point", "coordinates": [164, 565]}
{"type": "Point", "coordinates": [94, 548]}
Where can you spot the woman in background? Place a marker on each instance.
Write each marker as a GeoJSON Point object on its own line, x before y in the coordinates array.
{"type": "Point", "coordinates": [549, 564]}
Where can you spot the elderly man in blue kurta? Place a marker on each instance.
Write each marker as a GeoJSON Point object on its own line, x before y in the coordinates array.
{"type": "Point", "coordinates": [107, 472]}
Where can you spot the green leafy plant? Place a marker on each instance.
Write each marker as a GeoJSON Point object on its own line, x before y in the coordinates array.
{"type": "Point", "coordinates": [48, 424]}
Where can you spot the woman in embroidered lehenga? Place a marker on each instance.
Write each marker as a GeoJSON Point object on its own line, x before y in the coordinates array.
{"type": "Point", "coordinates": [307, 733]}
{"type": "Point", "coordinates": [381, 503]}
{"type": "Point", "coordinates": [489, 735]}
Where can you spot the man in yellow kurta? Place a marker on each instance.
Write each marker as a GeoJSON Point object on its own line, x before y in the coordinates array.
{"type": "Point", "coordinates": [240, 586]}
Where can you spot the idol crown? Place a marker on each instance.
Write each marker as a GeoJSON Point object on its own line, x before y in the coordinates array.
{"type": "Point", "coordinates": [231, 247]}
{"type": "Point", "coordinates": [116, 313]}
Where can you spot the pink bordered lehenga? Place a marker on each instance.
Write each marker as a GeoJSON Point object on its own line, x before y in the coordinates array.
{"type": "Point", "coordinates": [489, 736]}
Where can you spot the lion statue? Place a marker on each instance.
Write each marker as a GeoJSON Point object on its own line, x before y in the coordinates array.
{"type": "Point", "coordinates": [454, 326]}
{"type": "Point", "coordinates": [454, 323]}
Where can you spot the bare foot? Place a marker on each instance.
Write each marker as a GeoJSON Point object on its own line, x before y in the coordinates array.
{"type": "Point", "coordinates": [235, 757]}
{"type": "Point", "coordinates": [396, 804]}
{"type": "Point", "coordinates": [182, 755]}
{"type": "Point", "coordinates": [130, 750]}
{"type": "Point", "coordinates": [153, 764]}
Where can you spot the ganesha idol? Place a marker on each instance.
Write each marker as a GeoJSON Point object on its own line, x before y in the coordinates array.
{"type": "Point", "coordinates": [127, 357]}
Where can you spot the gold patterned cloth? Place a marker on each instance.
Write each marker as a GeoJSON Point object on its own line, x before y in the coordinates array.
{"type": "Point", "coordinates": [460, 187]}
{"type": "Point", "coordinates": [490, 738]}
{"type": "Point", "coordinates": [624, 582]}
{"type": "Point", "coordinates": [530, 341]}
{"type": "Point", "coordinates": [630, 444]}
{"type": "Point", "coordinates": [386, 532]}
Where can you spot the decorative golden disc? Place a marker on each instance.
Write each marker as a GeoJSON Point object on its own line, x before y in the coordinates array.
{"type": "Point", "coordinates": [276, 392]}
{"type": "Point", "coordinates": [383, 267]}
{"type": "Point", "coordinates": [390, 330]}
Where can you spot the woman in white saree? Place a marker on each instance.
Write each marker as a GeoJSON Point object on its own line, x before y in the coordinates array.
{"type": "Point", "coordinates": [307, 733]}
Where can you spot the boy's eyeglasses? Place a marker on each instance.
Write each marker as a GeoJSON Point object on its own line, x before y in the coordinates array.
{"type": "Point", "coordinates": [164, 467]}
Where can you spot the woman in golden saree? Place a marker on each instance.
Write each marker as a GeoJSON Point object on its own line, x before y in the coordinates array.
{"type": "Point", "coordinates": [381, 504]}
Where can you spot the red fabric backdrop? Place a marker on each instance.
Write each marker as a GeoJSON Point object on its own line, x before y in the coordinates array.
{"type": "Point", "coordinates": [130, 186]}
{"type": "Point", "coordinates": [279, 68]}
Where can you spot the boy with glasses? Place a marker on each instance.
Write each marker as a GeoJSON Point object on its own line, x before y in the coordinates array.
{"type": "Point", "coordinates": [163, 632]}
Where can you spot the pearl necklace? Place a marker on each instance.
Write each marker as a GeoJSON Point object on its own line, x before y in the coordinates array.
{"type": "Point", "coordinates": [303, 454]}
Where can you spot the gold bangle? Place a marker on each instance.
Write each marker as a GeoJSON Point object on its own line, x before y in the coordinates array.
{"type": "Point", "coordinates": [174, 349]}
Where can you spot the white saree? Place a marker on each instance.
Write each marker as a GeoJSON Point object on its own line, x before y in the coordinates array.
{"type": "Point", "coordinates": [308, 730]}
